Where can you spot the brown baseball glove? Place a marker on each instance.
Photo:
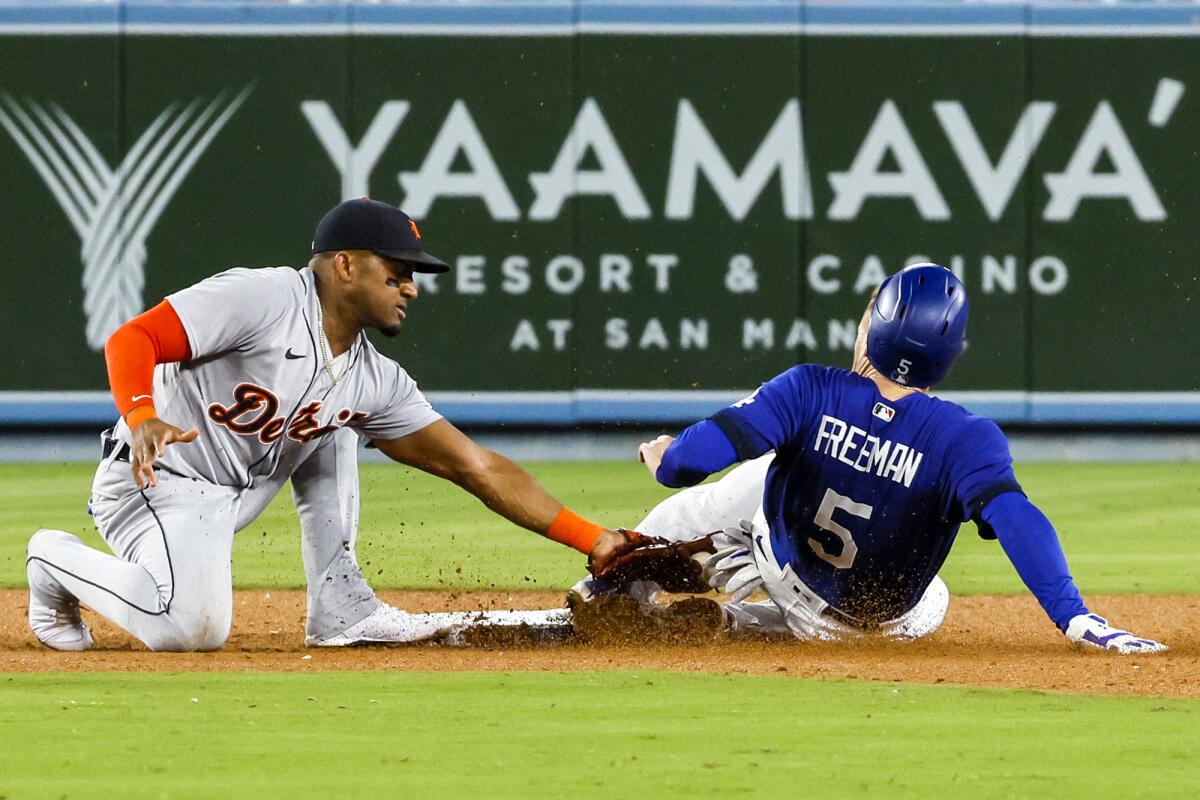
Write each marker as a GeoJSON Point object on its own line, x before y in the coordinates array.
{"type": "Point", "coordinates": [674, 566]}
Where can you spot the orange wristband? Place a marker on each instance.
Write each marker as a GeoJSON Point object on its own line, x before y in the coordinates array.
{"type": "Point", "coordinates": [574, 531]}
{"type": "Point", "coordinates": [139, 414]}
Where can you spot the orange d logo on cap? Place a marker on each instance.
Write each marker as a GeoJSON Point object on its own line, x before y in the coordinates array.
{"type": "Point", "coordinates": [379, 227]}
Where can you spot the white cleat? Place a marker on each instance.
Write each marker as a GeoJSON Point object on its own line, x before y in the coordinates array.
{"type": "Point", "coordinates": [385, 625]}
{"type": "Point", "coordinates": [53, 615]}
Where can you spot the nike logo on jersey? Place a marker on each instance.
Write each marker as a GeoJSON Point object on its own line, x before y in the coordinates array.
{"type": "Point", "coordinates": [290, 355]}
{"type": "Point", "coordinates": [141, 397]}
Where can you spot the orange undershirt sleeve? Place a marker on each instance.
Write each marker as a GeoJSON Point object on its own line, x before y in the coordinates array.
{"type": "Point", "coordinates": [154, 337]}
{"type": "Point", "coordinates": [574, 531]}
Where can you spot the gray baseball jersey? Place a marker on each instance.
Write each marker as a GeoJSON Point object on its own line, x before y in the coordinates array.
{"type": "Point", "coordinates": [268, 409]}
{"type": "Point", "coordinates": [256, 385]}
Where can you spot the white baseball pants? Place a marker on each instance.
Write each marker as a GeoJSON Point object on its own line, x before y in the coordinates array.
{"type": "Point", "coordinates": [170, 582]}
{"type": "Point", "coordinates": [792, 607]}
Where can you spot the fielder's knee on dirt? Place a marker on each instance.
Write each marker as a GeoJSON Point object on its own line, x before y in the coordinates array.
{"type": "Point", "coordinates": [189, 631]}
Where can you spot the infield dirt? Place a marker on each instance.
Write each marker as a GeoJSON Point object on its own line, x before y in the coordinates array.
{"type": "Point", "coordinates": [995, 641]}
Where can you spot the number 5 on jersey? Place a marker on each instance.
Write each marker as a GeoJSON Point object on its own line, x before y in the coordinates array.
{"type": "Point", "coordinates": [824, 520]}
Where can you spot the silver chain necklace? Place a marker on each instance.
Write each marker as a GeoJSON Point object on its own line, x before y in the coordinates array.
{"type": "Point", "coordinates": [326, 348]}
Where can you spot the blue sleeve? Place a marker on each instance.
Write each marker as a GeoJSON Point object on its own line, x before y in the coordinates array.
{"type": "Point", "coordinates": [1032, 546]}
{"type": "Point", "coordinates": [980, 468]}
{"type": "Point", "coordinates": [697, 453]}
{"type": "Point", "coordinates": [771, 417]}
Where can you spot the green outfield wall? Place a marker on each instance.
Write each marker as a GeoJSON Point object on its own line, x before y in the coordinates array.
{"type": "Point", "coordinates": [630, 207]}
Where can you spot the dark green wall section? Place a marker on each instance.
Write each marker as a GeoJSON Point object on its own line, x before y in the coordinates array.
{"type": "Point", "coordinates": [644, 212]}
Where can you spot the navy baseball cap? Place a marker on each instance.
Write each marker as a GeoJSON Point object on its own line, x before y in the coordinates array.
{"type": "Point", "coordinates": [371, 225]}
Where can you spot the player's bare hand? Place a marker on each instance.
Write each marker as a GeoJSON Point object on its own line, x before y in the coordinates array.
{"type": "Point", "coordinates": [150, 440]}
{"type": "Point", "coordinates": [651, 453]}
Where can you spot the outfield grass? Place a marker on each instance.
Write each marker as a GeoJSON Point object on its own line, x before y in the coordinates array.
{"type": "Point", "coordinates": [577, 735]}
{"type": "Point", "coordinates": [1127, 528]}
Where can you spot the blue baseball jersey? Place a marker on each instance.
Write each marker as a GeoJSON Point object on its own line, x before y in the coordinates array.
{"type": "Point", "coordinates": [865, 495]}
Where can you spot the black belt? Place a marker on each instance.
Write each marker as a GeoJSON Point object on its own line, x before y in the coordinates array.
{"type": "Point", "coordinates": [110, 444]}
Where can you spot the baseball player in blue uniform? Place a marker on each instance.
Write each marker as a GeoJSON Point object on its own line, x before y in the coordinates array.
{"type": "Point", "coordinates": [855, 485]}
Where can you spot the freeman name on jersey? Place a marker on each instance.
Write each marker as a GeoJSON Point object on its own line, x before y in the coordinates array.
{"type": "Point", "coordinates": [865, 453]}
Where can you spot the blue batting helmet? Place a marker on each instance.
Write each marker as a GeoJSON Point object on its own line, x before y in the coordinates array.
{"type": "Point", "coordinates": [918, 325]}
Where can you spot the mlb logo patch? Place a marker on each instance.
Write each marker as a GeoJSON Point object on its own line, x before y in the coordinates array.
{"type": "Point", "coordinates": [883, 412]}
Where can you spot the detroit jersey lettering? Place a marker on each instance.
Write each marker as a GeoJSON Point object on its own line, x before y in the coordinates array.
{"type": "Point", "coordinates": [264, 404]}
{"type": "Point", "coordinates": [865, 495]}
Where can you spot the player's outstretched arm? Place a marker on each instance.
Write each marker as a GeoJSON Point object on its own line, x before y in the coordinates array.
{"type": "Point", "coordinates": [1031, 544]}
{"type": "Point", "coordinates": [700, 451]}
{"type": "Point", "coordinates": [651, 453]}
{"type": "Point", "coordinates": [443, 450]}
{"type": "Point", "coordinates": [747, 429]}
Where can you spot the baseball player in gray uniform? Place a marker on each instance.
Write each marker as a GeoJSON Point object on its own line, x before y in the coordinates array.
{"type": "Point", "coordinates": [235, 385]}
